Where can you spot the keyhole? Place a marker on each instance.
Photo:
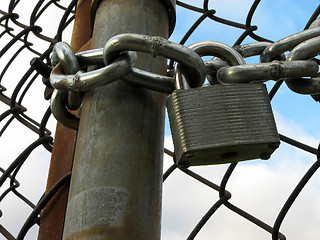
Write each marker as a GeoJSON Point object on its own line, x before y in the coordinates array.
{"type": "Point", "coordinates": [228, 155]}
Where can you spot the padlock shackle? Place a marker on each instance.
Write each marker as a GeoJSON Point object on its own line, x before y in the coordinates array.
{"type": "Point", "coordinates": [209, 48]}
{"type": "Point", "coordinates": [180, 81]}
{"type": "Point", "coordinates": [218, 49]}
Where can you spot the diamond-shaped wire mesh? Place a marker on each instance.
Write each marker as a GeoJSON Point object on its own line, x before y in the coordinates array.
{"type": "Point", "coordinates": [200, 202]}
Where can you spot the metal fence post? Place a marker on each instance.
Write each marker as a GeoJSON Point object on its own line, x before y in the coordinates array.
{"type": "Point", "coordinates": [116, 183]}
{"type": "Point", "coordinates": [52, 217]}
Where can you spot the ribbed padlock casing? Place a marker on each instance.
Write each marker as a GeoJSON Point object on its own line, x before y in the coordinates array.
{"type": "Point", "coordinates": [222, 124]}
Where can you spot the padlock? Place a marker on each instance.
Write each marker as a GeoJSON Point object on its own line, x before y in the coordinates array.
{"type": "Point", "coordinates": [221, 124]}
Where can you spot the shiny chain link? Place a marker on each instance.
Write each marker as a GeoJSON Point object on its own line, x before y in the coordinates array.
{"type": "Point", "coordinates": [117, 59]}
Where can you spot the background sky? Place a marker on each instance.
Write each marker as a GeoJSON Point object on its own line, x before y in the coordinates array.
{"type": "Point", "coordinates": [258, 187]}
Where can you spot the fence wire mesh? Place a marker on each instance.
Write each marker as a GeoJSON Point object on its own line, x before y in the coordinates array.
{"type": "Point", "coordinates": [30, 31]}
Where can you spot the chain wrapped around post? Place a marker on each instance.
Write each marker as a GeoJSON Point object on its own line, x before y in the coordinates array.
{"type": "Point", "coordinates": [119, 59]}
{"type": "Point", "coordinates": [116, 60]}
{"type": "Point", "coordinates": [67, 85]}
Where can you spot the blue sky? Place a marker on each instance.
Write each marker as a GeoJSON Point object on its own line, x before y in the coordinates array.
{"type": "Point", "coordinates": [260, 187]}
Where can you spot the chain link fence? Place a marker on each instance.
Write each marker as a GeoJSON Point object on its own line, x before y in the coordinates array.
{"type": "Point", "coordinates": [197, 201]}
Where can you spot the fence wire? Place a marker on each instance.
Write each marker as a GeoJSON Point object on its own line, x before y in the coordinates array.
{"type": "Point", "coordinates": [26, 42]}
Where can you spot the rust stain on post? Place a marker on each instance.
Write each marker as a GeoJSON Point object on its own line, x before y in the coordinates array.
{"type": "Point", "coordinates": [52, 217]}
{"type": "Point", "coordinates": [82, 26]}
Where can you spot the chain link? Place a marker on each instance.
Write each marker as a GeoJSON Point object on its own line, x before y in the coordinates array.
{"type": "Point", "coordinates": [274, 70]}
{"type": "Point", "coordinates": [60, 112]}
{"type": "Point", "coordinates": [256, 49]}
{"type": "Point", "coordinates": [68, 87]}
{"type": "Point", "coordinates": [287, 44]}
{"type": "Point", "coordinates": [305, 50]}
{"type": "Point", "coordinates": [116, 61]}
{"type": "Point", "coordinates": [83, 81]}
{"type": "Point", "coordinates": [63, 54]}
{"type": "Point", "coordinates": [191, 63]}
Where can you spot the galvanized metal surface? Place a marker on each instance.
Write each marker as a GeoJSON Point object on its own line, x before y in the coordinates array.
{"type": "Point", "coordinates": [120, 140]}
{"type": "Point", "coordinates": [170, 5]}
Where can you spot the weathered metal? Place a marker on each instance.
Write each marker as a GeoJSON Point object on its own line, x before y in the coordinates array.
{"type": "Point", "coordinates": [52, 217]}
{"type": "Point", "coordinates": [305, 50]}
{"type": "Point", "coordinates": [170, 6]}
{"type": "Point", "coordinates": [60, 112]}
{"type": "Point", "coordinates": [287, 43]}
{"type": "Point", "coordinates": [222, 124]}
{"type": "Point", "coordinates": [117, 173]}
{"type": "Point", "coordinates": [261, 72]}
{"type": "Point", "coordinates": [189, 60]}
{"type": "Point", "coordinates": [224, 56]}
{"type": "Point", "coordinates": [84, 81]}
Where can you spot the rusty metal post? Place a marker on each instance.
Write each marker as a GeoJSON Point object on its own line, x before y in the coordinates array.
{"type": "Point", "coordinates": [52, 217]}
{"type": "Point", "coordinates": [116, 183]}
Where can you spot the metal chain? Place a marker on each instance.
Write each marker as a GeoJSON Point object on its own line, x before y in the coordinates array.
{"type": "Point", "coordinates": [226, 67]}
{"type": "Point", "coordinates": [224, 57]}
{"type": "Point", "coordinates": [274, 70]}
{"type": "Point", "coordinates": [305, 50]}
{"type": "Point", "coordinates": [119, 59]}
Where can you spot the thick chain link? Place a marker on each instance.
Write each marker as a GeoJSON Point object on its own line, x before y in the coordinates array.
{"type": "Point", "coordinates": [68, 86]}
{"type": "Point", "coordinates": [305, 50]}
{"type": "Point", "coordinates": [191, 63]}
{"type": "Point", "coordinates": [63, 54]}
{"type": "Point", "coordinates": [81, 81]}
{"type": "Point", "coordinates": [116, 61]}
{"type": "Point", "coordinates": [274, 70]}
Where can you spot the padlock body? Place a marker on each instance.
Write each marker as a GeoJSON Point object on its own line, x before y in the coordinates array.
{"type": "Point", "coordinates": [222, 124]}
